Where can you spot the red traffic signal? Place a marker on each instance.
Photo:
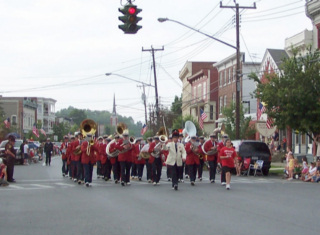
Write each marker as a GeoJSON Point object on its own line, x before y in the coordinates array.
{"type": "Point", "coordinates": [132, 10]}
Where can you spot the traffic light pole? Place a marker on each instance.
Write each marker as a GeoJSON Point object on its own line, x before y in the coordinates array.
{"type": "Point", "coordinates": [238, 74]}
{"type": "Point", "coordinates": [155, 79]}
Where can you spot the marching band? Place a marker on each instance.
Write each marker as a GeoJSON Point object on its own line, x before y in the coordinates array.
{"type": "Point", "coordinates": [125, 157]}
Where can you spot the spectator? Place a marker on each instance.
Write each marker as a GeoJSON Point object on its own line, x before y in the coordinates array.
{"type": "Point", "coordinates": [316, 178]}
{"type": "Point", "coordinates": [284, 144]}
{"type": "Point", "coordinates": [305, 167]}
{"type": "Point", "coordinates": [312, 172]}
{"type": "Point", "coordinates": [317, 145]}
{"type": "Point", "coordinates": [26, 153]}
{"type": "Point", "coordinates": [297, 169]}
{"type": "Point", "coordinates": [290, 166]}
{"type": "Point", "coordinates": [287, 160]}
{"type": "Point", "coordinates": [48, 149]}
{"type": "Point", "coordinates": [3, 174]}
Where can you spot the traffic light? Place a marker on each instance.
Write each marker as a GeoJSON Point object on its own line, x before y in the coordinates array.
{"type": "Point", "coordinates": [130, 19]}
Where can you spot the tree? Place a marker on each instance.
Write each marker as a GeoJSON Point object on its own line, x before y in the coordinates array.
{"type": "Point", "coordinates": [292, 97]}
{"type": "Point", "coordinates": [246, 130]}
{"type": "Point", "coordinates": [60, 130]}
{"type": "Point", "coordinates": [77, 115]}
{"type": "Point", "coordinates": [176, 106]}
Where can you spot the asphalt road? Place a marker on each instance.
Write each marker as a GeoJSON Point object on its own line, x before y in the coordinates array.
{"type": "Point", "coordinates": [43, 202]}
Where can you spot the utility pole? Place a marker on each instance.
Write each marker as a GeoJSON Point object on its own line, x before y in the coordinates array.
{"type": "Point", "coordinates": [238, 74]}
{"type": "Point", "coordinates": [144, 98]}
{"type": "Point", "coordinates": [155, 78]}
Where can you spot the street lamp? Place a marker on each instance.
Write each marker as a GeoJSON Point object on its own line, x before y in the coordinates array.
{"type": "Point", "coordinates": [237, 70]}
{"type": "Point", "coordinates": [119, 75]}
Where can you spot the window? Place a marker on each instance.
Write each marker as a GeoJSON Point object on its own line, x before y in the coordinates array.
{"type": "Point", "coordinates": [204, 93]}
{"type": "Point", "coordinates": [194, 92]}
{"type": "Point", "coordinates": [234, 97]}
{"type": "Point", "coordinates": [318, 28]}
{"type": "Point", "coordinates": [220, 104]}
{"type": "Point", "coordinates": [199, 91]}
{"type": "Point", "coordinates": [14, 120]}
{"type": "Point", "coordinates": [225, 77]}
{"type": "Point", "coordinates": [211, 112]}
{"type": "Point", "coordinates": [228, 78]}
{"type": "Point", "coordinates": [220, 80]}
{"type": "Point", "coordinates": [225, 101]}
{"type": "Point", "coordinates": [234, 73]}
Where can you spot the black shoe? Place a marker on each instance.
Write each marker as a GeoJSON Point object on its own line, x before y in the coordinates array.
{"type": "Point", "coordinates": [12, 181]}
{"type": "Point", "coordinates": [116, 181]}
{"type": "Point", "coordinates": [192, 183]}
{"type": "Point", "coordinates": [106, 179]}
{"type": "Point", "coordinates": [176, 187]}
{"type": "Point", "coordinates": [122, 183]}
{"type": "Point", "coordinates": [139, 178]}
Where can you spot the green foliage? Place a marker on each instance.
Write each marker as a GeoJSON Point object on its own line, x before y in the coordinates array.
{"type": "Point", "coordinates": [246, 131]}
{"type": "Point", "coordinates": [176, 106]}
{"type": "Point", "coordinates": [149, 133]}
{"type": "Point", "coordinates": [60, 130]}
{"type": "Point", "coordinates": [292, 98]}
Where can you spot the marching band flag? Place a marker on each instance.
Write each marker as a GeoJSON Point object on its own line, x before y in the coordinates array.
{"type": "Point", "coordinates": [7, 123]}
{"type": "Point", "coordinates": [144, 129]}
{"type": "Point", "coordinates": [35, 131]}
{"type": "Point", "coordinates": [203, 116]}
{"type": "Point", "coordinates": [43, 132]}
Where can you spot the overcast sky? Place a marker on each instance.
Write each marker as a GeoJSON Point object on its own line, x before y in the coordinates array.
{"type": "Point", "coordinates": [61, 49]}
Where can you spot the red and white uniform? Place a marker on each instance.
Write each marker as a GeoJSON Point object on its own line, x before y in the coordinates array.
{"type": "Point", "coordinates": [207, 147]}
{"type": "Point", "coordinates": [192, 158]}
{"type": "Point", "coordinates": [63, 149]}
{"type": "Point", "coordinates": [231, 155]}
{"type": "Point", "coordinates": [123, 157]}
{"type": "Point", "coordinates": [103, 153]}
{"type": "Point", "coordinates": [74, 157]}
{"type": "Point", "coordinates": [85, 158]}
{"type": "Point", "coordinates": [135, 154]}
{"type": "Point", "coordinates": [112, 148]}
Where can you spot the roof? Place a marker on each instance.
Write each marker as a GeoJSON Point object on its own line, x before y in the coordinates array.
{"type": "Point", "coordinates": [278, 55]}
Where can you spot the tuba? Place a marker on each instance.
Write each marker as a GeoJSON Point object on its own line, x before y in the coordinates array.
{"type": "Point", "coordinates": [190, 129]}
{"type": "Point", "coordinates": [121, 128]}
{"type": "Point", "coordinates": [211, 152]}
{"type": "Point", "coordinates": [88, 127]}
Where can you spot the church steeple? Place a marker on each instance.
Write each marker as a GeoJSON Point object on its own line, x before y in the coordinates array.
{"type": "Point", "coordinates": [114, 118]}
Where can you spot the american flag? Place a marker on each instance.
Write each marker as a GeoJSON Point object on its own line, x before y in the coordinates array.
{"type": "Point", "coordinates": [144, 129]}
{"type": "Point", "coordinates": [7, 123]}
{"type": "Point", "coordinates": [261, 110]}
{"type": "Point", "coordinates": [269, 122]}
{"type": "Point", "coordinates": [35, 131]}
{"type": "Point", "coordinates": [203, 116]}
{"type": "Point", "coordinates": [43, 132]}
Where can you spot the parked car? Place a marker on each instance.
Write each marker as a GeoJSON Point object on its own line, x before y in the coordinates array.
{"type": "Point", "coordinates": [256, 150]}
{"type": "Point", "coordinates": [19, 158]}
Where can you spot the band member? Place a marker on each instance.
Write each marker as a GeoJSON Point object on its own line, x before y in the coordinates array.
{"type": "Point", "coordinates": [192, 160]}
{"type": "Point", "coordinates": [88, 159]}
{"type": "Point", "coordinates": [69, 156]}
{"type": "Point", "coordinates": [48, 149]}
{"type": "Point", "coordinates": [149, 163]}
{"type": "Point", "coordinates": [166, 156]}
{"type": "Point", "coordinates": [155, 152]}
{"type": "Point", "coordinates": [124, 158]}
{"type": "Point", "coordinates": [99, 145]}
{"type": "Point", "coordinates": [114, 160]}
{"type": "Point", "coordinates": [139, 161]}
{"type": "Point", "coordinates": [75, 160]}
{"type": "Point", "coordinates": [63, 149]}
{"type": "Point", "coordinates": [183, 169]}
{"type": "Point", "coordinates": [10, 156]}
{"type": "Point", "coordinates": [106, 165]}
{"type": "Point", "coordinates": [211, 147]}
{"type": "Point", "coordinates": [221, 145]}
{"type": "Point", "coordinates": [202, 157]}
{"type": "Point", "coordinates": [228, 157]}
{"type": "Point", "coordinates": [176, 153]}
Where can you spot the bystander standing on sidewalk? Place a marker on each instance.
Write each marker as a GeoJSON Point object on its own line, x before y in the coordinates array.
{"type": "Point", "coordinates": [26, 152]}
{"type": "Point", "coordinates": [3, 174]}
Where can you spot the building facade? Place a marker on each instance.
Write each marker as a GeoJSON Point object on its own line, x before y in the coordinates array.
{"type": "Point", "coordinates": [24, 112]}
{"type": "Point", "coordinates": [200, 92]}
{"type": "Point", "coordinates": [227, 84]}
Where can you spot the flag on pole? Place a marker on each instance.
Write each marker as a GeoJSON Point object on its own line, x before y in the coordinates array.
{"type": "Point", "coordinates": [43, 132]}
{"type": "Point", "coordinates": [144, 129]}
{"type": "Point", "coordinates": [261, 110]}
{"type": "Point", "coordinates": [269, 122]}
{"type": "Point", "coordinates": [203, 116]}
{"type": "Point", "coordinates": [7, 123]}
{"type": "Point", "coordinates": [35, 131]}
